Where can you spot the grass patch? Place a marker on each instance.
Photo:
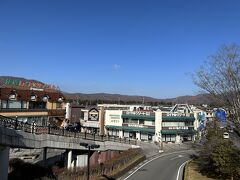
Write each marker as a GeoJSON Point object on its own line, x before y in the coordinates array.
{"type": "Point", "coordinates": [192, 172]}
{"type": "Point", "coordinates": [122, 169]}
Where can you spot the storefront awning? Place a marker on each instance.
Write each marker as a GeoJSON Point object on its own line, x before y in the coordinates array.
{"type": "Point", "coordinates": [177, 118]}
{"type": "Point", "coordinates": [178, 131]}
{"type": "Point", "coordinates": [131, 129]}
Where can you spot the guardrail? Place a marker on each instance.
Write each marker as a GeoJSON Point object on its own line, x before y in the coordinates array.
{"type": "Point", "coordinates": [36, 129]}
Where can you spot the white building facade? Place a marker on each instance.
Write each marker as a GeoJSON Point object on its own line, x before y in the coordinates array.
{"type": "Point", "coordinates": [144, 124]}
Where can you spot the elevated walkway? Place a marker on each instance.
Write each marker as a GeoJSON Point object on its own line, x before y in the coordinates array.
{"type": "Point", "coordinates": [21, 135]}
{"type": "Point", "coordinates": [15, 134]}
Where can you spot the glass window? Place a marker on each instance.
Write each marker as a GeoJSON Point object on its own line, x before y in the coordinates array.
{"type": "Point", "coordinates": [144, 136]}
{"type": "Point", "coordinates": [141, 122]}
{"type": "Point", "coordinates": [24, 105]}
{"type": "Point", "coordinates": [3, 104]}
{"type": "Point", "coordinates": [37, 105]}
{"type": "Point", "coordinates": [164, 138]}
{"type": "Point", "coordinates": [189, 123]}
{"type": "Point", "coordinates": [168, 137]}
{"type": "Point", "coordinates": [14, 104]}
{"type": "Point", "coordinates": [58, 105]}
{"type": "Point", "coordinates": [130, 121]}
{"type": "Point", "coordinates": [173, 137]}
{"type": "Point", "coordinates": [126, 134]}
{"type": "Point", "coordinates": [173, 124]}
{"type": "Point", "coordinates": [149, 123]}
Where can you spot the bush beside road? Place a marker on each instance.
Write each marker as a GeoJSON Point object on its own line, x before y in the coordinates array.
{"type": "Point", "coordinates": [192, 172]}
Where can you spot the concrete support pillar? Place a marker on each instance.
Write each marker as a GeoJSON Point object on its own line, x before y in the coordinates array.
{"type": "Point", "coordinates": [4, 161]}
{"type": "Point", "coordinates": [69, 159]}
{"type": "Point", "coordinates": [82, 160]}
{"type": "Point", "coordinates": [194, 138]}
{"type": "Point", "coordinates": [138, 136]}
{"type": "Point", "coordinates": [121, 134]}
{"type": "Point", "coordinates": [73, 163]}
{"type": "Point", "coordinates": [158, 126]}
{"type": "Point", "coordinates": [101, 121]}
{"type": "Point", "coordinates": [44, 156]}
{"type": "Point", "coordinates": [178, 139]}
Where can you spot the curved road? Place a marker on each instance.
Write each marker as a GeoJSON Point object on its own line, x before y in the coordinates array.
{"type": "Point", "coordinates": [164, 167]}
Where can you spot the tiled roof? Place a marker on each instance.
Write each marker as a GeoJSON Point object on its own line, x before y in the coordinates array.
{"type": "Point", "coordinates": [24, 95]}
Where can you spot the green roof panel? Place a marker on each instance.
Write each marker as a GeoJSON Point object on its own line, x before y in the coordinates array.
{"type": "Point", "coordinates": [177, 118]}
{"type": "Point", "coordinates": [178, 131]}
{"type": "Point", "coordinates": [127, 128]}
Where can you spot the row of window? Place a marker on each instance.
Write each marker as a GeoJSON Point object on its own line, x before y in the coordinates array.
{"type": "Point", "coordinates": [168, 137]}
{"type": "Point", "coordinates": [172, 138]}
{"type": "Point", "coordinates": [176, 124]}
{"type": "Point", "coordinates": [126, 134]}
{"type": "Point", "coordinates": [11, 104]}
{"type": "Point", "coordinates": [134, 121]}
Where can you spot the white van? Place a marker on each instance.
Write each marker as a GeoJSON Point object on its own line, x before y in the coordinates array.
{"type": "Point", "coordinates": [225, 135]}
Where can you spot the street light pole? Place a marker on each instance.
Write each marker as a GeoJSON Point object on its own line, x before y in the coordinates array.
{"type": "Point", "coordinates": [89, 147]}
{"type": "Point", "coordinates": [88, 163]}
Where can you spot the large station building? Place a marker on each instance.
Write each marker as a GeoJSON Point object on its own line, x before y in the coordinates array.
{"type": "Point", "coordinates": [31, 101]}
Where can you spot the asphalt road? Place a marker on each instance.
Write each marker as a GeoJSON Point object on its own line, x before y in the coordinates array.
{"type": "Point", "coordinates": [163, 168]}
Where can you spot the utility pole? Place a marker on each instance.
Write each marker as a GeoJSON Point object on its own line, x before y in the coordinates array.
{"type": "Point", "coordinates": [143, 101]}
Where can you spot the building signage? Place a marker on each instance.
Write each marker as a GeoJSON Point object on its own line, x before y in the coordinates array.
{"type": "Point", "coordinates": [136, 125]}
{"type": "Point", "coordinates": [36, 89]}
{"type": "Point", "coordinates": [180, 127]}
{"type": "Point", "coordinates": [114, 118]}
{"type": "Point", "coordinates": [93, 115]}
{"type": "Point", "coordinates": [91, 124]}
{"type": "Point", "coordinates": [143, 113]}
{"type": "Point", "coordinates": [26, 83]}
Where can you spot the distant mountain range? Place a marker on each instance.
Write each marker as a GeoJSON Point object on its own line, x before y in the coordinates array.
{"type": "Point", "coordinates": [116, 98]}
{"type": "Point", "coordinates": [197, 100]}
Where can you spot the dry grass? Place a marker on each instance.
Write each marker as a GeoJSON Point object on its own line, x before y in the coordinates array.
{"type": "Point", "coordinates": [117, 172]}
{"type": "Point", "coordinates": [111, 170]}
{"type": "Point", "coordinates": [192, 172]}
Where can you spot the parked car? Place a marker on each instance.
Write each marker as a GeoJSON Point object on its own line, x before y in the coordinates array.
{"type": "Point", "coordinates": [225, 135]}
{"type": "Point", "coordinates": [76, 127]}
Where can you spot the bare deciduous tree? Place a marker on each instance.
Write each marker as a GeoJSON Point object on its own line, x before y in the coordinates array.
{"type": "Point", "coordinates": [220, 77]}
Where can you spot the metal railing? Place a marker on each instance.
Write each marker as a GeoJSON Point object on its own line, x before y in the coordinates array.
{"type": "Point", "coordinates": [12, 123]}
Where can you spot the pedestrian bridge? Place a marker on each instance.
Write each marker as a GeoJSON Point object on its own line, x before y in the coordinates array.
{"type": "Point", "coordinates": [15, 134]}
{"type": "Point", "coordinates": [22, 135]}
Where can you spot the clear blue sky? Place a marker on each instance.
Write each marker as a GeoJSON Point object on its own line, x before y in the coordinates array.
{"type": "Point", "coordinates": [130, 47]}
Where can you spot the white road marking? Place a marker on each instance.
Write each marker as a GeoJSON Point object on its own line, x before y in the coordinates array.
{"type": "Point", "coordinates": [180, 169]}
{"type": "Point", "coordinates": [151, 161]}
{"type": "Point", "coordinates": [179, 156]}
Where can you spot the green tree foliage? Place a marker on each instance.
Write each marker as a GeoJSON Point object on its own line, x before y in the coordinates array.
{"type": "Point", "coordinates": [226, 159]}
{"type": "Point", "coordinates": [218, 156]}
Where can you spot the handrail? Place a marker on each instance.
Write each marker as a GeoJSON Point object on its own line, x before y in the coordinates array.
{"type": "Point", "coordinates": [13, 123]}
